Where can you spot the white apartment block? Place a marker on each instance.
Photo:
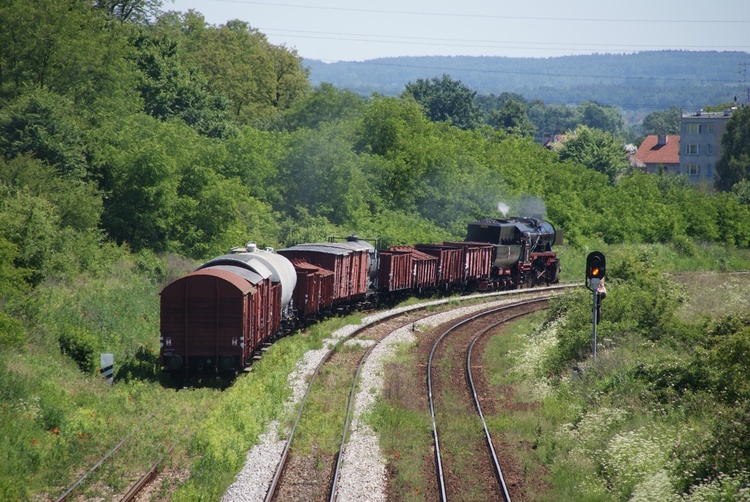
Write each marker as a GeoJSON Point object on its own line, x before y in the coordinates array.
{"type": "Point", "coordinates": [700, 143]}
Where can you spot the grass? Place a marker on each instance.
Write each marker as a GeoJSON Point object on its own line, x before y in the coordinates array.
{"type": "Point", "coordinates": [403, 425]}
{"type": "Point", "coordinates": [56, 420]}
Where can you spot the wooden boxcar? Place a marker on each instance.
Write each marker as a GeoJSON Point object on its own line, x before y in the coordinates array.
{"type": "Point", "coordinates": [450, 263]}
{"type": "Point", "coordinates": [314, 291]}
{"type": "Point", "coordinates": [395, 272]}
{"type": "Point", "coordinates": [424, 268]}
{"type": "Point", "coordinates": [349, 262]}
{"type": "Point", "coordinates": [477, 259]}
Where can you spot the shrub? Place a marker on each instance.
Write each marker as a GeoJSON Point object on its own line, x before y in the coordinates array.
{"type": "Point", "coordinates": [724, 451]}
{"type": "Point", "coordinates": [12, 333]}
{"type": "Point", "coordinates": [81, 346]}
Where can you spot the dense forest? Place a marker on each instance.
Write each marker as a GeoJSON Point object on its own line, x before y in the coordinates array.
{"type": "Point", "coordinates": [636, 83]}
{"type": "Point", "coordinates": [136, 142]}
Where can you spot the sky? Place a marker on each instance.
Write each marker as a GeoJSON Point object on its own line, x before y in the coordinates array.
{"type": "Point", "coordinates": [351, 30]}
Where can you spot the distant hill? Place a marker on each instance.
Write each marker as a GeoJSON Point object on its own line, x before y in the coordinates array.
{"type": "Point", "coordinates": [643, 81]}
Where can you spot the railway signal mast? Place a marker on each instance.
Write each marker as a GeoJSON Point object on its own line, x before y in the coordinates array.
{"type": "Point", "coordinates": [596, 269]}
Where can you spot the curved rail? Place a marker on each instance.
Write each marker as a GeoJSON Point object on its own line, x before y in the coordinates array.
{"type": "Point", "coordinates": [284, 455]}
{"type": "Point", "coordinates": [347, 419]}
{"type": "Point", "coordinates": [495, 461]}
{"type": "Point", "coordinates": [436, 439]}
{"type": "Point", "coordinates": [151, 473]}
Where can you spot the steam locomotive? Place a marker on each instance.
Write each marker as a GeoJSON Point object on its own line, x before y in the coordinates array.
{"type": "Point", "coordinates": [217, 318]}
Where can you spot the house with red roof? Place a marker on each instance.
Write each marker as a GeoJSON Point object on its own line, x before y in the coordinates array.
{"type": "Point", "coordinates": [659, 150]}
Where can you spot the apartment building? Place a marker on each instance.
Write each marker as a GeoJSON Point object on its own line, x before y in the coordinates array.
{"type": "Point", "coordinates": [700, 143]}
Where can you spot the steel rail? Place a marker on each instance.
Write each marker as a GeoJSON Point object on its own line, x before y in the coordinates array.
{"type": "Point", "coordinates": [151, 473]}
{"type": "Point", "coordinates": [285, 453]}
{"type": "Point", "coordinates": [435, 435]}
{"type": "Point", "coordinates": [349, 406]}
{"type": "Point", "coordinates": [72, 487]}
{"type": "Point", "coordinates": [495, 461]}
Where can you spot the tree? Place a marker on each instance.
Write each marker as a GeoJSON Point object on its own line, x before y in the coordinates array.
{"type": "Point", "coordinates": [323, 104]}
{"type": "Point", "coordinates": [446, 99]}
{"type": "Point", "coordinates": [663, 121]}
{"type": "Point", "coordinates": [240, 63]}
{"type": "Point", "coordinates": [597, 150]}
{"type": "Point", "coordinates": [603, 117]}
{"type": "Point", "coordinates": [512, 118]}
{"type": "Point", "coordinates": [42, 124]}
{"type": "Point", "coordinates": [171, 89]}
{"type": "Point", "coordinates": [66, 47]}
{"type": "Point", "coordinates": [734, 164]}
{"type": "Point", "coordinates": [130, 10]}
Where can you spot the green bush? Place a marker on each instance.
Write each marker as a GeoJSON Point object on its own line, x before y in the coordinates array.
{"type": "Point", "coordinates": [724, 452]}
{"type": "Point", "coordinates": [81, 346]}
{"type": "Point", "coordinates": [12, 333]}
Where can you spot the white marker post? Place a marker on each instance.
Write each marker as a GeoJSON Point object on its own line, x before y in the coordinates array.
{"type": "Point", "coordinates": [106, 367]}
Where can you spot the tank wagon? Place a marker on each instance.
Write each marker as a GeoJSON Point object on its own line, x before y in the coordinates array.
{"type": "Point", "coordinates": [218, 317]}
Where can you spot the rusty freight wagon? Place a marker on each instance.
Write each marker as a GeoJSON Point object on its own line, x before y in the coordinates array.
{"type": "Point", "coordinates": [477, 259]}
{"type": "Point", "coordinates": [314, 292]}
{"type": "Point", "coordinates": [351, 263]}
{"type": "Point", "coordinates": [403, 267]}
{"type": "Point", "coordinates": [450, 263]}
{"type": "Point", "coordinates": [213, 319]}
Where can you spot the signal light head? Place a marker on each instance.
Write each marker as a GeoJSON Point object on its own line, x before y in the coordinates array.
{"type": "Point", "coordinates": [595, 265]}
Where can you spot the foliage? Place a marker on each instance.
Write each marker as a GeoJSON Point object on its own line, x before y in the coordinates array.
{"type": "Point", "coordinates": [260, 79]}
{"type": "Point", "coordinates": [734, 164]}
{"type": "Point", "coordinates": [596, 149]}
{"type": "Point", "coordinates": [603, 117]}
{"type": "Point", "coordinates": [663, 121]}
{"type": "Point", "coordinates": [42, 125]}
{"type": "Point", "coordinates": [445, 99]}
{"type": "Point", "coordinates": [169, 89]}
{"type": "Point", "coordinates": [324, 103]}
{"type": "Point", "coordinates": [511, 117]}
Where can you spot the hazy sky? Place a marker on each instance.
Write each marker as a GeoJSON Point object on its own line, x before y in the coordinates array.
{"type": "Point", "coordinates": [349, 30]}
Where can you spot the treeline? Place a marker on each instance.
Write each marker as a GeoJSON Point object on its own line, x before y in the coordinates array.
{"type": "Point", "coordinates": [637, 83]}
{"type": "Point", "coordinates": [168, 135]}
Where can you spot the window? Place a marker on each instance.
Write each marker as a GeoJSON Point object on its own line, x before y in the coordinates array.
{"type": "Point", "coordinates": [693, 128]}
{"type": "Point", "coordinates": [693, 170]}
{"type": "Point", "coordinates": [710, 126]}
{"type": "Point", "coordinates": [709, 170]}
{"type": "Point", "coordinates": [692, 150]}
{"type": "Point", "coordinates": [709, 149]}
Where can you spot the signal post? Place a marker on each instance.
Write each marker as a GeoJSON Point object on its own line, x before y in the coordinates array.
{"type": "Point", "coordinates": [596, 269]}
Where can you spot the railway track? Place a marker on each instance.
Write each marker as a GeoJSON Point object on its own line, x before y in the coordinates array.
{"type": "Point", "coordinates": [154, 436]}
{"type": "Point", "coordinates": [466, 462]}
{"type": "Point", "coordinates": [314, 474]}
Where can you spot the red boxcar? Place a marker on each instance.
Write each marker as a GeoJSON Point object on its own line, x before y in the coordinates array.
{"type": "Point", "coordinates": [216, 317]}
{"type": "Point", "coordinates": [395, 271]}
{"type": "Point", "coordinates": [450, 263]}
{"type": "Point", "coordinates": [349, 262]}
{"type": "Point", "coordinates": [211, 319]}
{"type": "Point", "coordinates": [424, 267]}
{"type": "Point", "coordinates": [477, 258]}
{"type": "Point", "coordinates": [314, 291]}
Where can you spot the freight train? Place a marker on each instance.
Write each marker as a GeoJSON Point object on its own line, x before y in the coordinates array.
{"type": "Point", "coordinates": [217, 318]}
